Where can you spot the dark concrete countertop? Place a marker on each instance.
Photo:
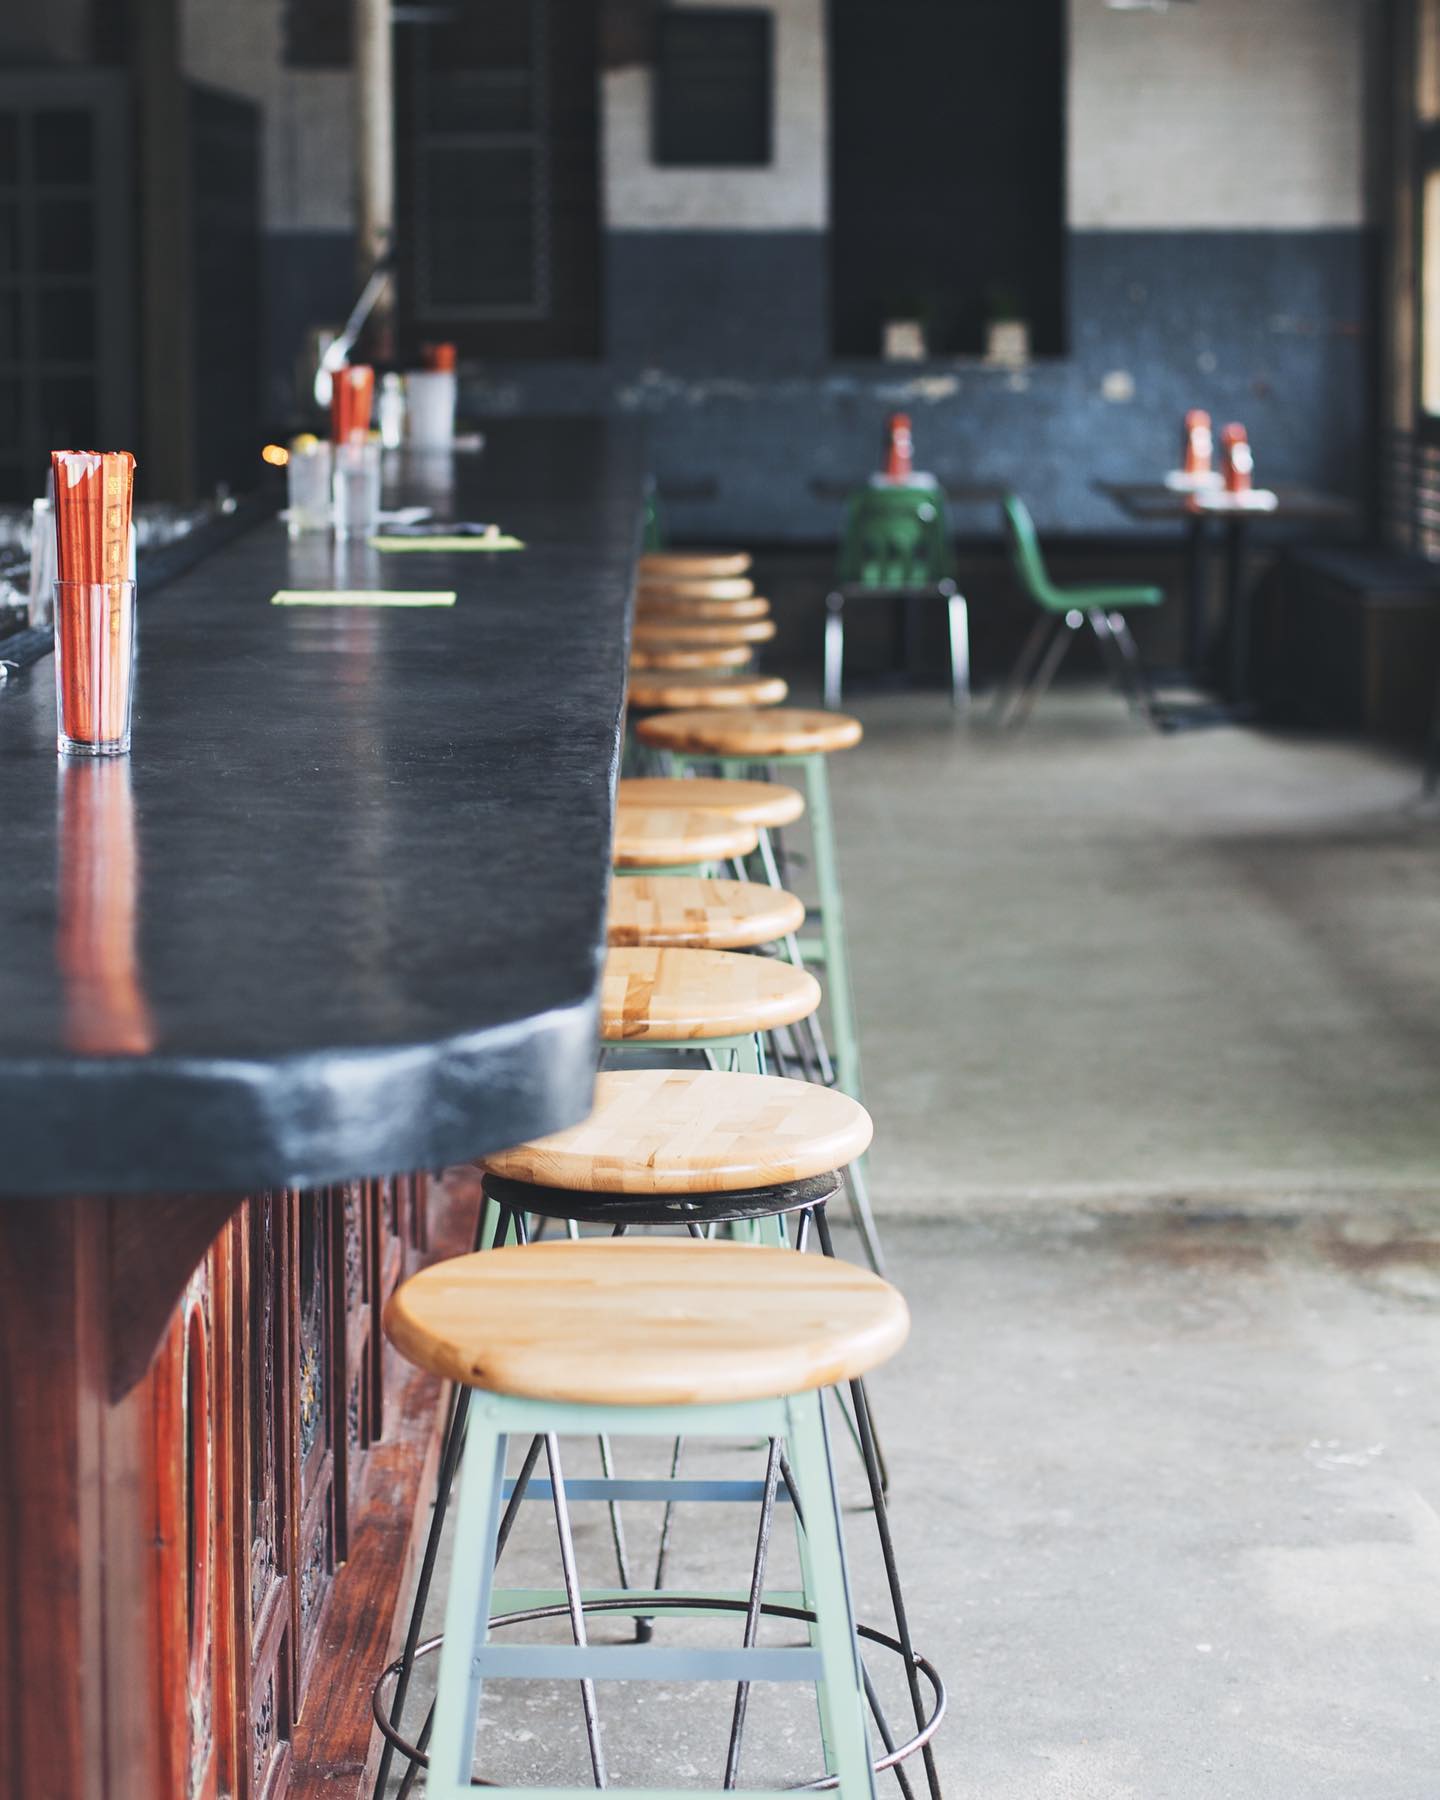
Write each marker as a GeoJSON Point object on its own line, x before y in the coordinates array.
{"type": "Point", "coordinates": [341, 910]}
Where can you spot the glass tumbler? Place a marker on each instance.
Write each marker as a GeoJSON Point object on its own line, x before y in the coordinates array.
{"type": "Point", "coordinates": [357, 488]}
{"type": "Point", "coordinates": [94, 666]}
{"type": "Point", "coordinates": [308, 478]}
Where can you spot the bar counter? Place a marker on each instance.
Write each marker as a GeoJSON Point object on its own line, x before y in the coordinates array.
{"type": "Point", "coordinates": [337, 921]}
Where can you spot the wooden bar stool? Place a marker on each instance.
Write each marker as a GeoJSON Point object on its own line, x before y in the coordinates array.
{"type": "Point", "coordinates": [694, 587]}
{"type": "Point", "coordinates": [718, 1001]}
{"type": "Point", "coordinates": [648, 1338]}
{"type": "Point", "coordinates": [684, 657]}
{"type": "Point", "coordinates": [671, 629]}
{"type": "Point", "coordinates": [661, 837]}
{"type": "Point", "coordinates": [739, 743]}
{"type": "Point", "coordinates": [715, 608]}
{"type": "Point", "coordinates": [695, 1150]}
{"type": "Point", "coordinates": [766, 804]}
{"type": "Point", "coordinates": [688, 565]}
{"type": "Point", "coordinates": [705, 688]}
{"type": "Point", "coordinates": [687, 911]}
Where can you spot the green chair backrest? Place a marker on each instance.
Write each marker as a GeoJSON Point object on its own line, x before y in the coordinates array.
{"type": "Point", "coordinates": [895, 538]}
{"type": "Point", "coordinates": [1026, 555]}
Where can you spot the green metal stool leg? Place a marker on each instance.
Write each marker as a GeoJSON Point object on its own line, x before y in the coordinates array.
{"type": "Point", "coordinates": [467, 1611]}
{"type": "Point", "coordinates": [832, 926]}
{"type": "Point", "coordinates": [841, 1692]}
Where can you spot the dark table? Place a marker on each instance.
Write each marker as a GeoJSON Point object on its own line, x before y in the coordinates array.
{"type": "Point", "coordinates": [963, 493]}
{"type": "Point", "coordinates": [340, 913]}
{"type": "Point", "coordinates": [1152, 503]}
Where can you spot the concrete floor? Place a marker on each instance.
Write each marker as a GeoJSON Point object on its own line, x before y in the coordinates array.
{"type": "Point", "coordinates": [1152, 1046]}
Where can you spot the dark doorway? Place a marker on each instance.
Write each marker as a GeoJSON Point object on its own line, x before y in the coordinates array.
{"type": "Point", "coordinates": [497, 177]}
{"type": "Point", "coordinates": [947, 170]}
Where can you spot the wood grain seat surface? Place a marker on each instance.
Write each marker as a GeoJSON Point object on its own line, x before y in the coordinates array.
{"type": "Point", "coordinates": [652, 607]}
{"type": "Point", "coordinates": [648, 837]}
{"type": "Point", "coordinates": [777, 731]}
{"type": "Point", "coordinates": [764, 803]}
{"type": "Point", "coordinates": [687, 565]}
{"type": "Point", "coordinates": [675, 629]}
{"type": "Point", "coordinates": [695, 587]}
{"type": "Point", "coordinates": [694, 1131]}
{"type": "Point", "coordinates": [688, 910]}
{"type": "Point", "coordinates": [705, 688]}
{"type": "Point", "coordinates": [652, 994]}
{"type": "Point", "coordinates": [689, 656]}
{"type": "Point", "coordinates": [646, 1321]}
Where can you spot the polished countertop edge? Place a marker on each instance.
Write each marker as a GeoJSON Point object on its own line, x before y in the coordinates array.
{"type": "Point", "coordinates": [159, 1124]}
{"type": "Point", "coordinates": [537, 1074]}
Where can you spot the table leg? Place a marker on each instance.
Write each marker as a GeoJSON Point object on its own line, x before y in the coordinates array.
{"type": "Point", "coordinates": [1197, 598]}
{"type": "Point", "coordinates": [1237, 613]}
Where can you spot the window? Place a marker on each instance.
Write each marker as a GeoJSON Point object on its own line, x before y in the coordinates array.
{"type": "Point", "coordinates": [947, 170]}
{"type": "Point", "coordinates": [497, 191]}
{"type": "Point", "coordinates": [1427, 175]}
{"type": "Point", "coordinates": [713, 88]}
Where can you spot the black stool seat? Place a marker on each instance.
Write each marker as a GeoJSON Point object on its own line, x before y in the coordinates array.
{"type": "Point", "coordinates": [662, 1209]}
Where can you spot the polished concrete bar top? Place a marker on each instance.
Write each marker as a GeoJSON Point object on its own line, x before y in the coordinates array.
{"type": "Point", "coordinates": [341, 909]}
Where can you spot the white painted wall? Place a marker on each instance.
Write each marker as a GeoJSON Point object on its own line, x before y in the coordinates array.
{"type": "Point", "coordinates": [790, 195]}
{"type": "Point", "coordinates": [1220, 114]}
{"type": "Point", "coordinates": [309, 136]}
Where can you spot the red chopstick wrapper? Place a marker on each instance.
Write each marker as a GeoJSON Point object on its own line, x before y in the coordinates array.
{"type": "Point", "coordinates": [93, 495]}
{"type": "Point", "coordinates": [351, 397]}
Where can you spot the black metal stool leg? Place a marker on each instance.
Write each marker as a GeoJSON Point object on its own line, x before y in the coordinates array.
{"type": "Point", "coordinates": [752, 1610]}
{"type": "Point", "coordinates": [573, 1599]}
{"type": "Point", "coordinates": [876, 1476]}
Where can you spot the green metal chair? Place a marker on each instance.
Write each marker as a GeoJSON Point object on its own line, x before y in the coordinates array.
{"type": "Point", "coordinates": [1063, 612]}
{"type": "Point", "coordinates": [896, 546]}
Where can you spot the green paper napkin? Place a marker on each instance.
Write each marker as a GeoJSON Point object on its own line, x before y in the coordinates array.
{"type": "Point", "coordinates": [359, 597]}
{"type": "Point", "coordinates": [494, 541]}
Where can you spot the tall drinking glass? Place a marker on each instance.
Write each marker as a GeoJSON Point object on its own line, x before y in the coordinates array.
{"type": "Point", "coordinates": [357, 489]}
{"type": "Point", "coordinates": [94, 666]}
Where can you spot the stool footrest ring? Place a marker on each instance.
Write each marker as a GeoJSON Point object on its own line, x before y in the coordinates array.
{"type": "Point", "coordinates": [650, 1604]}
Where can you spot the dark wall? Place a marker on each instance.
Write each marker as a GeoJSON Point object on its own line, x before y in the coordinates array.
{"type": "Point", "coordinates": [722, 341]}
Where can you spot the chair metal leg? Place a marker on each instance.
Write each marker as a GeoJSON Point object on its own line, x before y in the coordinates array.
{"type": "Point", "coordinates": [1008, 694]}
{"type": "Point", "coordinates": [834, 647]}
{"type": "Point", "coordinates": [1049, 663]}
{"type": "Point", "coordinates": [1142, 697]}
{"type": "Point", "coordinates": [959, 652]}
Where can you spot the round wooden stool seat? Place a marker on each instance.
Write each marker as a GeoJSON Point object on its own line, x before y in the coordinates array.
{"type": "Point", "coordinates": [661, 996]}
{"type": "Point", "coordinates": [653, 608]}
{"type": "Point", "coordinates": [646, 1321]}
{"type": "Point", "coordinates": [707, 688]}
{"type": "Point", "coordinates": [701, 1131]}
{"type": "Point", "coordinates": [686, 565]}
{"type": "Point", "coordinates": [689, 911]}
{"type": "Point", "coordinates": [695, 587]}
{"type": "Point", "coordinates": [665, 632]}
{"type": "Point", "coordinates": [650, 836]}
{"type": "Point", "coordinates": [689, 656]}
{"type": "Point", "coordinates": [781, 731]}
{"type": "Point", "coordinates": [763, 803]}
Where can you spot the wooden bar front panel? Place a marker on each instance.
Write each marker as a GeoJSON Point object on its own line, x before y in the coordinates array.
{"type": "Point", "coordinates": [171, 1550]}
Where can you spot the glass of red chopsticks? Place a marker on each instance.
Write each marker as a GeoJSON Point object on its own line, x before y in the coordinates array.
{"type": "Point", "coordinates": [94, 601]}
